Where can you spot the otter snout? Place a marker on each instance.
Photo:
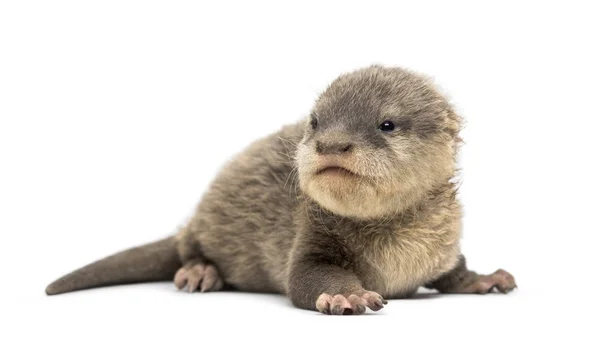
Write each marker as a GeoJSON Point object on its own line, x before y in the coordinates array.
{"type": "Point", "coordinates": [334, 142]}
{"type": "Point", "coordinates": [333, 148]}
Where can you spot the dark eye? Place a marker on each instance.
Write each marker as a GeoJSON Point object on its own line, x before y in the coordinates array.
{"type": "Point", "coordinates": [386, 126]}
{"type": "Point", "coordinates": [313, 122]}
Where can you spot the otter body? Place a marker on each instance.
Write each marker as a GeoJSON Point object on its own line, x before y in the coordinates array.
{"type": "Point", "coordinates": [354, 204]}
{"type": "Point", "coordinates": [247, 222]}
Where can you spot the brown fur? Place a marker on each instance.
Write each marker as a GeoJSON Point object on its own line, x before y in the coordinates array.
{"type": "Point", "coordinates": [156, 261]}
{"type": "Point", "coordinates": [334, 209]}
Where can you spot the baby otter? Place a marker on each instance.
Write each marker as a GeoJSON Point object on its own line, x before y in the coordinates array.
{"type": "Point", "coordinates": [353, 205]}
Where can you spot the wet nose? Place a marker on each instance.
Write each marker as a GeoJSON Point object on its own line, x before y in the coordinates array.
{"type": "Point", "coordinates": [333, 148]}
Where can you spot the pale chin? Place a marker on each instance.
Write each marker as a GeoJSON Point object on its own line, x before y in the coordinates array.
{"type": "Point", "coordinates": [345, 200]}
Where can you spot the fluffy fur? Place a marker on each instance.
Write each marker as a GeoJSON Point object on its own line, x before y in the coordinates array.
{"type": "Point", "coordinates": [333, 211]}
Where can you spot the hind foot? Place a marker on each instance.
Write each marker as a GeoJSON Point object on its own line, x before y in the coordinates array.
{"type": "Point", "coordinates": [196, 276]}
{"type": "Point", "coordinates": [483, 284]}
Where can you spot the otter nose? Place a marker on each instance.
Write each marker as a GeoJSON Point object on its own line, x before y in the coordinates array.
{"type": "Point", "coordinates": [333, 148]}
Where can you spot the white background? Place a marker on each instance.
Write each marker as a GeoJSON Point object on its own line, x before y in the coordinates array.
{"type": "Point", "coordinates": [115, 116]}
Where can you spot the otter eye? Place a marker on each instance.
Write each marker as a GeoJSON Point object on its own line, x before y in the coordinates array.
{"type": "Point", "coordinates": [386, 126]}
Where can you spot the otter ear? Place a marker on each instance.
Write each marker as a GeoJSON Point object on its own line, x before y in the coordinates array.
{"type": "Point", "coordinates": [453, 126]}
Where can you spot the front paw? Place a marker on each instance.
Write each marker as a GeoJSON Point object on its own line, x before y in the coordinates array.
{"type": "Point", "coordinates": [352, 304]}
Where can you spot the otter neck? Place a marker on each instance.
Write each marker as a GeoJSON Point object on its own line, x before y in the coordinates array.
{"type": "Point", "coordinates": [388, 208]}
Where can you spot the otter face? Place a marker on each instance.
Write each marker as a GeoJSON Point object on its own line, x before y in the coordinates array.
{"type": "Point", "coordinates": [378, 139]}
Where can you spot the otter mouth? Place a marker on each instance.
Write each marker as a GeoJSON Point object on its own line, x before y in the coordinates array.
{"type": "Point", "coordinates": [335, 171]}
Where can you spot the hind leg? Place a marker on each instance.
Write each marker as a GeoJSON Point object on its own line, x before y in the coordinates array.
{"type": "Point", "coordinates": [198, 275]}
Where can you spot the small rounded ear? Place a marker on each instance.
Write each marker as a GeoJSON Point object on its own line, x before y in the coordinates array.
{"type": "Point", "coordinates": [453, 126]}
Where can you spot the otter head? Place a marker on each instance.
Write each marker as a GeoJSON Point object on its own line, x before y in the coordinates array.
{"type": "Point", "coordinates": [377, 141]}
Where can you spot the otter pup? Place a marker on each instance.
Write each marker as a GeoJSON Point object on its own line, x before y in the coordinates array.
{"type": "Point", "coordinates": [351, 206]}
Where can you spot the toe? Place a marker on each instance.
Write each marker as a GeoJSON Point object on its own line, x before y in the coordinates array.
{"type": "Point", "coordinates": [339, 305]}
{"type": "Point", "coordinates": [195, 275]}
{"type": "Point", "coordinates": [180, 278]}
{"type": "Point", "coordinates": [505, 282]}
{"type": "Point", "coordinates": [358, 304]}
{"type": "Point", "coordinates": [505, 287]}
{"type": "Point", "coordinates": [373, 300]}
{"type": "Point", "coordinates": [210, 278]}
{"type": "Point", "coordinates": [193, 284]}
{"type": "Point", "coordinates": [324, 303]}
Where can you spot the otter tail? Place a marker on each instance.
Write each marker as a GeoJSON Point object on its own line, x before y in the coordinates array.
{"type": "Point", "coordinates": [151, 262]}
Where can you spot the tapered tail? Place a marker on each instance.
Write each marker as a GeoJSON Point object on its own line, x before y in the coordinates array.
{"type": "Point", "coordinates": [155, 261]}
